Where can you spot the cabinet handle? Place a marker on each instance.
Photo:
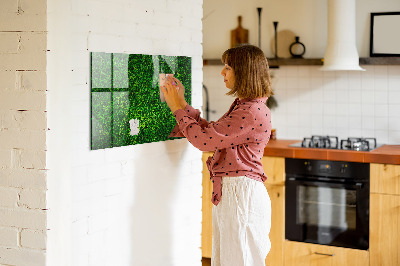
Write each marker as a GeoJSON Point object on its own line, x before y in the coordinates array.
{"type": "Point", "coordinates": [324, 254]}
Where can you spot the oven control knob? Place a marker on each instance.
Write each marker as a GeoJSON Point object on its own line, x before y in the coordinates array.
{"type": "Point", "coordinates": [308, 166]}
{"type": "Point", "coordinates": [343, 168]}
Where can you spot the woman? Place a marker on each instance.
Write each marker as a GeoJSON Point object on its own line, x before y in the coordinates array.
{"type": "Point", "coordinates": [242, 208]}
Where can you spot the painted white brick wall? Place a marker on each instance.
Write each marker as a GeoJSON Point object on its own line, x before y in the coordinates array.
{"type": "Point", "coordinates": [9, 237]}
{"type": "Point", "coordinates": [313, 102]}
{"type": "Point", "coordinates": [33, 239]}
{"type": "Point", "coordinates": [135, 205]}
{"type": "Point", "coordinates": [23, 121]}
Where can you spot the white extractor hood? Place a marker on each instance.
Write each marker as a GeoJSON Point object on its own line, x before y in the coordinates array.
{"type": "Point", "coordinates": [341, 51]}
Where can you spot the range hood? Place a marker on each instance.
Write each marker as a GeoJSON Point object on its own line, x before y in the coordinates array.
{"type": "Point", "coordinates": [341, 51]}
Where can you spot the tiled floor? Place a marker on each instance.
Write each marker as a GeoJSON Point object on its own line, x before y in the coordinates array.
{"type": "Point", "coordinates": [206, 261]}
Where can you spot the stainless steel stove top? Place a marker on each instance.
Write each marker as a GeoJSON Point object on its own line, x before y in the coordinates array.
{"type": "Point", "coordinates": [332, 142]}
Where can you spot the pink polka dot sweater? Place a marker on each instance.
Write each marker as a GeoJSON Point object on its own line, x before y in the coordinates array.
{"type": "Point", "coordinates": [238, 139]}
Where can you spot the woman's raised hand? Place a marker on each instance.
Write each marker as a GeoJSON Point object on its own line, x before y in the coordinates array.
{"type": "Point", "coordinates": [174, 94]}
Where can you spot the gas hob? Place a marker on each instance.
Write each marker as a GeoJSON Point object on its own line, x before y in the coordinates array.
{"type": "Point", "coordinates": [332, 142]}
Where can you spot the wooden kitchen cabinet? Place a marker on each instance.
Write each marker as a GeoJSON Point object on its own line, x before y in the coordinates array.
{"type": "Point", "coordinates": [305, 254]}
{"type": "Point", "coordinates": [385, 178]}
{"type": "Point", "coordinates": [277, 233]}
{"type": "Point", "coordinates": [206, 225]}
{"type": "Point", "coordinates": [384, 236]}
{"type": "Point", "coordinates": [385, 215]}
{"type": "Point", "coordinates": [274, 168]}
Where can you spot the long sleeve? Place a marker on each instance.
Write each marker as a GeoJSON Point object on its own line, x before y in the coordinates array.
{"type": "Point", "coordinates": [231, 130]}
{"type": "Point", "coordinates": [193, 113]}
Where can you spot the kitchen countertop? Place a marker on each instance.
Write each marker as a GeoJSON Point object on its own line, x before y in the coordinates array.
{"type": "Point", "coordinates": [389, 154]}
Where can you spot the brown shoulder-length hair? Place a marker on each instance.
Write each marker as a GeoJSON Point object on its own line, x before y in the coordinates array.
{"type": "Point", "coordinates": [250, 66]}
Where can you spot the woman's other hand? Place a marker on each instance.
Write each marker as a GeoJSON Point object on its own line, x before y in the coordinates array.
{"type": "Point", "coordinates": [181, 91]}
{"type": "Point", "coordinates": [174, 94]}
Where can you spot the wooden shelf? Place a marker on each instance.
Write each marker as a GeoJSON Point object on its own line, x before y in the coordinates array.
{"type": "Point", "coordinates": [380, 61]}
{"type": "Point", "coordinates": [274, 63]}
{"type": "Point", "coordinates": [212, 62]}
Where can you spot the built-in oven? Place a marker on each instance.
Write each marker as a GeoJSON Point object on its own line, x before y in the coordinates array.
{"type": "Point", "coordinates": [327, 202]}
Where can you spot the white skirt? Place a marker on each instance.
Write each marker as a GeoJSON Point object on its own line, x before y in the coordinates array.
{"type": "Point", "coordinates": [241, 223]}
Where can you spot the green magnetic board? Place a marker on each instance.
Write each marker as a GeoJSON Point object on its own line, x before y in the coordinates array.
{"type": "Point", "coordinates": [126, 108]}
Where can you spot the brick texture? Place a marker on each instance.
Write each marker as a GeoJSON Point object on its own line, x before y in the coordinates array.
{"type": "Point", "coordinates": [23, 126]}
{"type": "Point", "coordinates": [33, 239]}
{"type": "Point", "coordinates": [120, 194]}
{"type": "Point", "coordinates": [9, 237]}
{"type": "Point", "coordinates": [33, 199]}
{"type": "Point", "coordinates": [8, 197]}
{"type": "Point", "coordinates": [17, 256]}
{"type": "Point", "coordinates": [23, 218]}
{"type": "Point", "coordinates": [45, 125]}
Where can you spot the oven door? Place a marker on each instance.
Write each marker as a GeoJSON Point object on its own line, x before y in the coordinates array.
{"type": "Point", "coordinates": [327, 213]}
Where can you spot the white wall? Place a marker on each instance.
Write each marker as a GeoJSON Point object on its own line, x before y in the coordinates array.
{"type": "Point", "coordinates": [306, 19]}
{"type": "Point", "coordinates": [311, 102]}
{"type": "Point", "coordinates": [23, 133]}
{"type": "Point", "coordinates": [343, 104]}
{"type": "Point", "coordinates": [134, 205]}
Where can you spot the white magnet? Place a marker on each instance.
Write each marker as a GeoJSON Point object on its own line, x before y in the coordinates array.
{"type": "Point", "coordinates": [134, 125]}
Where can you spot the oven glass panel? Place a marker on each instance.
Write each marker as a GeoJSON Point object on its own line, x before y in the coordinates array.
{"type": "Point", "coordinates": [326, 207]}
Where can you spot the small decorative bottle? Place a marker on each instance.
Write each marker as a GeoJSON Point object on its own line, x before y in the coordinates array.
{"type": "Point", "coordinates": [297, 49]}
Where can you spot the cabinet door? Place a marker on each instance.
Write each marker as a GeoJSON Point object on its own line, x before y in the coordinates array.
{"type": "Point", "coordinates": [274, 168]}
{"type": "Point", "coordinates": [206, 226]}
{"type": "Point", "coordinates": [304, 254]}
{"type": "Point", "coordinates": [277, 233]}
{"type": "Point", "coordinates": [385, 178]}
{"type": "Point", "coordinates": [384, 230]}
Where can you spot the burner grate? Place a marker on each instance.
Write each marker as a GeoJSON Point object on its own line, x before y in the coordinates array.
{"type": "Point", "coordinates": [327, 142]}
{"type": "Point", "coordinates": [332, 142]}
{"type": "Point", "coordinates": [358, 144]}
